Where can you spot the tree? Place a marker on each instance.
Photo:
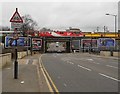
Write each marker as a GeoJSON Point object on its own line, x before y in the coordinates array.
{"type": "Point", "coordinates": [28, 24]}
{"type": "Point", "coordinates": [45, 29]}
{"type": "Point", "coordinates": [4, 28]}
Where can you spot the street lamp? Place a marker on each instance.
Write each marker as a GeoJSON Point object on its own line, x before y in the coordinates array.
{"type": "Point", "coordinates": [115, 21]}
{"type": "Point", "coordinates": [91, 41]}
{"type": "Point", "coordinates": [115, 16]}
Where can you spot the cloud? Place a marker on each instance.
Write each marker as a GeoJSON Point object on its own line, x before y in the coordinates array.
{"type": "Point", "coordinates": [61, 15]}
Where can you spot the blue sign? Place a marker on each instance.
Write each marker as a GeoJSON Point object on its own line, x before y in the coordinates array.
{"type": "Point", "coordinates": [21, 41]}
{"type": "Point", "coordinates": [106, 42]}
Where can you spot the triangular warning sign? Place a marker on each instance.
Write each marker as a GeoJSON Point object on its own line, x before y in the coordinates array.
{"type": "Point", "coordinates": [16, 17]}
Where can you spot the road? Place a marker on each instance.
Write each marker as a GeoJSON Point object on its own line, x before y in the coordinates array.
{"type": "Point", "coordinates": [82, 72]}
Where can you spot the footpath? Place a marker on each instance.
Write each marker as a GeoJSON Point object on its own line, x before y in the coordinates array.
{"type": "Point", "coordinates": [30, 78]}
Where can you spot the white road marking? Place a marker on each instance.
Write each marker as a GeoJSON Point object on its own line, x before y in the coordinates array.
{"type": "Point", "coordinates": [71, 63]}
{"type": "Point", "coordinates": [27, 61]}
{"type": "Point", "coordinates": [84, 67]}
{"type": "Point", "coordinates": [95, 62]}
{"type": "Point", "coordinates": [111, 66]}
{"type": "Point", "coordinates": [65, 85]}
{"type": "Point", "coordinates": [22, 82]}
{"type": "Point", "coordinates": [109, 77]}
{"type": "Point", "coordinates": [90, 59]}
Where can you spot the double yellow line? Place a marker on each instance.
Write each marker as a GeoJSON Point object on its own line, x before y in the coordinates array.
{"type": "Point", "coordinates": [52, 88]}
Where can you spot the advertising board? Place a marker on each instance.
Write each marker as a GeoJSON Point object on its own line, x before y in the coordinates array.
{"type": "Point", "coordinates": [106, 42]}
{"type": "Point", "coordinates": [36, 43]}
{"type": "Point", "coordinates": [86, 43]}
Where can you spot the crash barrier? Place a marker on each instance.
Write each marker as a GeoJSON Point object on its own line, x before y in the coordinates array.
{"type": "Point", "coordinates": [109, 53]}
{"type": "Point", "coordinates": [23, 54]}
{"type": "Point", "coordinates": [5, 59]}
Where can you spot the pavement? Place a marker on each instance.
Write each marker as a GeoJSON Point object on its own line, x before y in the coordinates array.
{"type": "Point", "coordinates": [30, 78]}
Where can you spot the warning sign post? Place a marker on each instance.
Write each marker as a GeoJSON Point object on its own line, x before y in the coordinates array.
{"type": "Point", "coordinates": [16, 22]}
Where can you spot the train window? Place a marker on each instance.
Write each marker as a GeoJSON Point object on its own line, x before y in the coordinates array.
{"type": "Point", "coordinates": [76, 32]}
{"type": "Point", "coordinates": [61, 32]}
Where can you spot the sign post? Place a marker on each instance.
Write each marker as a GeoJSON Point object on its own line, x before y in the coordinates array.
{"type": "Point", "coordinates": [16, 20]}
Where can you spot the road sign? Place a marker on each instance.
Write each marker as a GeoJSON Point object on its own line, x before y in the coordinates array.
{"type": "Point", "coordinates": [15, 20]}
{"type": "Point", "coordinates": [21, 42]}
{"type": "Point", "coordinates": [15, 25]}
{"type": "Point", "coordinates": [16, 17]}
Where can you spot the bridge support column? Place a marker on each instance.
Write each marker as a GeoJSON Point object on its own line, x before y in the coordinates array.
{"type": "Point", "coordinates": [68, 47]}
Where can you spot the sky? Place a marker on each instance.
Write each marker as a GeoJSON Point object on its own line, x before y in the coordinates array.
{"type": "Point", "coordinates": [61, 15]}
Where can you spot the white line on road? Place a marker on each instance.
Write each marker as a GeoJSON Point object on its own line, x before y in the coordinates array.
{"type": "Point", "coordinates": [84, 68]}
{"type": "Point", "coordinates": [65, 85]}
{"type": "Point", "coordinates": [27, 61]}
{"type": "Point", "coordinates": [71, 63]}
{"type": "Point", "coordinates": [111, 66]}
{"type": "Point", "coordinates": [94, 62]}
{"type": "Point", "coordinates": [90, 59]}
{"type": "Point", "coordinates": [109, 77]}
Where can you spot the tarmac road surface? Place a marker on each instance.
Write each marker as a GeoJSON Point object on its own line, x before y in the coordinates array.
{"type": "Point", "coordinates": [82, 72]}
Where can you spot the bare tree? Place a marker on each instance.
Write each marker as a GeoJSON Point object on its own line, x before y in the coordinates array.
{"type": "Point", "coordinates": [4, 28]}
{"type": "Point", "coordinates": [28, 24]}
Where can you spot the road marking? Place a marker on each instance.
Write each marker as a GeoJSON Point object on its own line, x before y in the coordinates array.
{"type": "Point", "coordinates": [49, 86]}
{"type": "Point", "coordinates": [95, 62]}
{"type": "Point", "coordinates": [27, 61]}
{"type": "Point", "coordinates": [84, 67]}
{"type": "Point", "coordinates": [65, 85]}
{"type": "Point", "coordinates": [70, 62]}
{"type": "Point", "coordinates": [56, 90]}
{"type": "Point", "coordinates": [109, 77]}
{"type": "Point", "coordinates": [90, 59]}
{"type": "Point", "coordinates": [111, 66]}
{"type": "Point", "coordinates": [47, 75]}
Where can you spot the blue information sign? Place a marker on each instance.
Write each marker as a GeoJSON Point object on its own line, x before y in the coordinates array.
{"type": "Point", "coordinates": [21, 41]}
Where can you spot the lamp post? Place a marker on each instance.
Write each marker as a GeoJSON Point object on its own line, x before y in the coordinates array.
{"type": "Point", "coordinates": [91, 46]}
{"type": "Point", "coordinates": [115, 23]}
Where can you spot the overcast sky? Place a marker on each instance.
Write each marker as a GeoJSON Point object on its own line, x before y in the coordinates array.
{"type": "Point", "coordinates": [62, 15]}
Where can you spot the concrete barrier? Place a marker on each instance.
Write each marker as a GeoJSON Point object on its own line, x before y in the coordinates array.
{"type": "Point", "coordinates": [21, 54]}
{"type": "Point", "coordinates": [105, 53]}
{"type": "Point", "coordinates": [5, 59]}
{"type": "Point", "coordinates": [116, 54]}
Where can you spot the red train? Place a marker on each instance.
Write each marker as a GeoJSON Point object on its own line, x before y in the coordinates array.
{"type": "Point", "coordinates": [60, 34]}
